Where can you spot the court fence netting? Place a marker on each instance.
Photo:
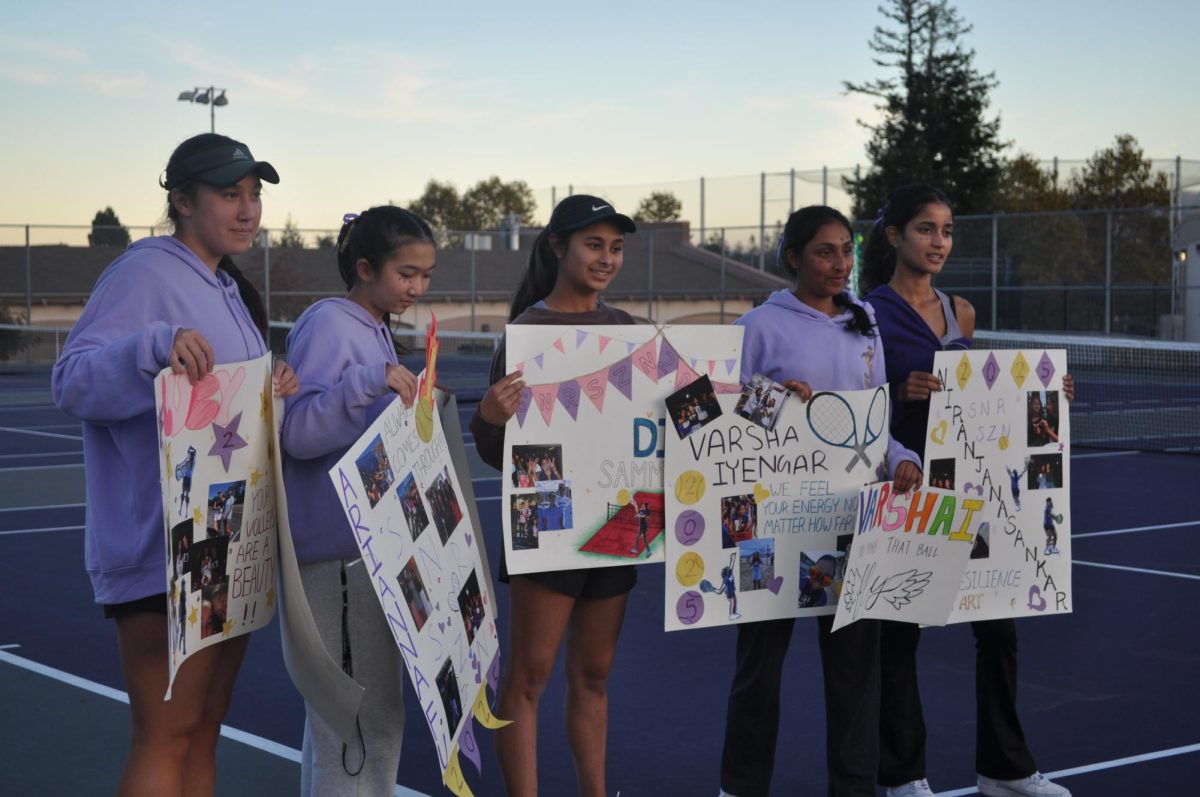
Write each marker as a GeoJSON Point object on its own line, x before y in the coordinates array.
{"type": "Point", "coordinates": [1131, 393]}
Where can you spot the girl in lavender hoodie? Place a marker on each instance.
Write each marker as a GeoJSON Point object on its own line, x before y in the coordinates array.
{"type": "Point", "coordinates": [815, 336]}
{"type": "Point", "coordinates": [175, 301]}
{"type": "Point", "coordinates": [343, 350]}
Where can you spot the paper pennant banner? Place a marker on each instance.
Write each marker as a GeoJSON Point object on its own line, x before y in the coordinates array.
{"type": "Point", "coordinates": [729, 366]}
{"type": "Point", "coordinates": [453, 776]}
{"type": "Point", "coordinates": [711, 365]}
{"type": "Point", "coordinates": [685, 375]}
{"type": "Point", "coordinates": [620, 376]}
{"type": "Point", "coordinates": [604, 341]}
{"type": "Point", "coordinates": [594, 387]}
{"type": "Point", "coordinates": [631, 346]}
{"type": "Point", "coordinates": [493, 676]}
{"type": "Point", "coordinates": [483, 712]}
{"type": "Point", "coordinates": [543, 397]}
{"type": "Point", "coordinates": [468, 746]}
{"type": "Point", "coordinates": [558, 344]}
{"type": "Point", "coordinates": [580, 337]}
{"type": "Point", "coordinates": [646, 359]}
{"type": "Point", "coordinates": [568, 396]}
{"type": "Point", "coordinates": [523, 407]}
{"type": "Point", "coordinates": [668, 359]}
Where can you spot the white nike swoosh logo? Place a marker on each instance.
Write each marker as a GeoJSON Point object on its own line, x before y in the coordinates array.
{"type": "Point", "coordinates": [602, 207]}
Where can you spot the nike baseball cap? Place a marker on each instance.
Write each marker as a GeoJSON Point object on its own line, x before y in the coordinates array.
{"type": "Point", "coordinates": [222, 164]}
{"type": "Point", "coordinates": [580, 210]}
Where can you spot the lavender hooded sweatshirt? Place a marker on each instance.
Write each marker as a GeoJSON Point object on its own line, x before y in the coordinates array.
{"type": "Point", "coordinates": [786, 339]}
{"type": "Point", "coordinates": [105, 377]}
{"type": "Point", "coordinates": [341, 354]}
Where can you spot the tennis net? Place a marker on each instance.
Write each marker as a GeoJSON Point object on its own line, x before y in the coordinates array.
{"type": "Point", "coordinates": [1129, 394]}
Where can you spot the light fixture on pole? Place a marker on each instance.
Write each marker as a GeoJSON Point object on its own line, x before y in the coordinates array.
{"type": "Point", "coordinates": [211, 96]}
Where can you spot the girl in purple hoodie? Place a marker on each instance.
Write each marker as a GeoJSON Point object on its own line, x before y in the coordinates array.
{"type": "Point", "coordinates": [344, 352]}
{"type": "Point", "coordinates": [176, 301]}
{"type": "Point", "coordinates": [816, 336]}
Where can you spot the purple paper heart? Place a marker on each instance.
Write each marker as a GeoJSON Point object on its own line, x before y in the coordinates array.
{"type": "Point", "coordinates": [774, 584]}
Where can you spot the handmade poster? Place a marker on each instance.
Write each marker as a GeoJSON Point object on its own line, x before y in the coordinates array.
{"type": "Point", "coordinates": [583, 475]}
{"type": "Point", "coordinates": [1000, 431]}
{"type": "Point", "coordinates": [411, 518]}
{"type": "Point", "coordinates": [908, 554]}
{"type": "Point", "coordinates": [762, 505]}
{"type": "Point", "coordinates": [219, 504]}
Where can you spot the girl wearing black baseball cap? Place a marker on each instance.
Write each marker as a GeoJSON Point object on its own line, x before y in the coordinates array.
{"type": "Point", "coordinates": [573, 261]}
{"type": "Point", "coordinates": [173, 301]}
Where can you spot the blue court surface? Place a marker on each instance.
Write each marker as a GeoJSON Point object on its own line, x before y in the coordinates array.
{"type": "Point", "coordinates": [1108, 694]}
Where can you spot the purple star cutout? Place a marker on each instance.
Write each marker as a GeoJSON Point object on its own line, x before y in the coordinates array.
{"type": "Point", "coordinates": [227, 440]}
{"type": "Point", "coordinates": [1045, 369]}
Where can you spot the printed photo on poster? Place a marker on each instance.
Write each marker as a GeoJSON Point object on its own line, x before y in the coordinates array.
{"type": "Point", "coordinates": [207, 559]}
{"type": "Point", "coordinates": [410, 503]}
{"type": "Point", "coordinates": [524, 517]}
{"type": "Point", "coordinates": [183, 475]}
{"type": "Point", "coordinates": [941, 473]}
{"type": "Point", "coordinates": [214, 607]}
{"type": "Point", "coordinates": [533, 464]}
{"type": "Point", "coordinates": [1044, 471]}
{"type": "Point", "coordinates": [226, 504]}
{"type": "Point", "coordinates": [470, 606]}
{"type": "Point", "coordinates": [447, 684]}
{"type": "Point", "coordinates": [756, 563]}
{"type": "Point", "coordinates": [693, 406]}
{"type": "Point", "coordinates": [554, 506]}
{"type": "Point", "coordinates": [444, 505]}
{"type": "Point", "coordinates": [415, 595]}
{"type": "Point", "coordinates": [1041, 416]}
{"type": "Point", "coordinates": [739, 514]}
{"type": "Point", "coordinates": [762, 401]}
{"type": "Point", "coordinates": [821, 574]}
{"type": "Point", "coordinates": [376, 470]}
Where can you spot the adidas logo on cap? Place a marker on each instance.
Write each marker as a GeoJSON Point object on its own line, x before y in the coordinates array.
{"type": "Point", "coordinates": [238, 155]}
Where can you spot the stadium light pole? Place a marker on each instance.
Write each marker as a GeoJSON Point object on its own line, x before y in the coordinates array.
{"type": "Point", "coordinates": [211, 96]}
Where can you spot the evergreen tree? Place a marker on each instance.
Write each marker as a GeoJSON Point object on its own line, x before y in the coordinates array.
{"type": "Point", "coordinates": [935, 128]}
{"type": "Point", "coordinates": [107, 230]}
{"type": "Point", "coordinates": [659, 206]}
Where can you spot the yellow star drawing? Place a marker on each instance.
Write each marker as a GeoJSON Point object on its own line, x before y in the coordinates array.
{"type": "Point", "coordinates": [226, 627]}
{"type": "Point", "coordinates": [167, 451]}
{"type": "Point", "coordinates": [197, 518]}
{"type": "Point", "coordinates": [263, 399]}
{"type": "Point", "coordinates": [271, 597]}
{"type": "Point", "coordinates": [193, 616]}
{"type": "Point", "coordinates": [255, 475]}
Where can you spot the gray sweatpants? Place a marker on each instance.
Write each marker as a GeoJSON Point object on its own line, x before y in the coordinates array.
{"type": "Point", "coordinates": [377, 666]}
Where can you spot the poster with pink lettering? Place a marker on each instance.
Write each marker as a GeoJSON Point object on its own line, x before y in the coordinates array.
{"type": "Point", "coordinates": [219, 504]}
{"type": "Point", "coordinates": [415, 524]}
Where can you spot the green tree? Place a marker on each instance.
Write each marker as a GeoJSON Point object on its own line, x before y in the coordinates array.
{"type": "Point", "coordinates": [1120, 177]}
{"type": "Point", "coordinates": [439, 204]}
{"type": "Point", "coordinates": [107, 230]}
{"type": "Point", "coordinates": [1024, 186]}
{"type": "Point", "coordinates": [290, 237]}
{"type": "Point", "coordinates": [934, 126]}
{"type": "Point", "coordinates": [326, 241]}
{"type": "Point", "coordinates": [488, 201]}
{"type": "Point", "coordinates": [659, 206]}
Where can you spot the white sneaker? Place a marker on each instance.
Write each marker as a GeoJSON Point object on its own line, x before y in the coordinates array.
{"type": "Point", "coordinates": [916, 788]}
{"type": "Point", "coordinates": [1036, 785]}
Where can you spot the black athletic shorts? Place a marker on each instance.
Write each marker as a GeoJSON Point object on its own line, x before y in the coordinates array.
{"type": "Point", "coordinates": [151, 603]}
{"type": "Point", "coordinates": [589, 582]}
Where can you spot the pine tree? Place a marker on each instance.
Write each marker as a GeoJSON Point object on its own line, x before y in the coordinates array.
{"type": "Point", "coordinates": [935, 128]}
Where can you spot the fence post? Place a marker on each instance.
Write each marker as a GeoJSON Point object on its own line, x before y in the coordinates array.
{"type": "Point", "coordinates": [472, 288]}
{"type": "Point", "coordinates": [762, 220]}
{"type": "Point", "coordinates": [722, 275]}
{"type": "Point", "coordinates": [266, 244]}
{"type": "Point", "coordinates": [702, 211]}
{"type": "Point", "coordinates": [28, 299]}
{"type": "Point", "coordinates": [995, 271]}
{"type": "Point", "coordinates": [1108, 223]}
{"type": "Point", "coordinates": [791, 191]}
{"type": "Point", "coordinates": [650, 280]}
{"type": "Point", "coordinates": [824, 185]}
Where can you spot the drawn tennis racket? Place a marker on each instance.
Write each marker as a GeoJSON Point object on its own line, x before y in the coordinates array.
{"type": "Point", "coordinates": [877, 414]}
{"type": "Point", "coordinates": [832, 420]}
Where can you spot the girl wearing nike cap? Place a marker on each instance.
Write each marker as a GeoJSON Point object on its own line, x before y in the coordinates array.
{"type": "Point", "coordinates": [173, 301]}
{"type": "Point", "coordinates": [573, 261]}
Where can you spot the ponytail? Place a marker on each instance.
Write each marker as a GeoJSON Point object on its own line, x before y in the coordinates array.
{"type": "Point", "coordinates": [540, 275]}
{"type": "Point", "coordinates": [859, 321]}
{"type": "Point", "coordinates": [250, 297]}
{"type": "Point", "coordinates": [878, 261]}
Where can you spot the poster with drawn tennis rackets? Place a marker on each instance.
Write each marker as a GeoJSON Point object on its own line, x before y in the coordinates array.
{"type": "Point", "coordinates": [219, 504]}
{"type": "Point", "coordinates": [762, 503]}
{"type": "Point", "coordinates": [1001, 430]}
{"type": "Point", "coordinates": [583, 473]}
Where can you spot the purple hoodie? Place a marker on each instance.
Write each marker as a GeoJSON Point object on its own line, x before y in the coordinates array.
{"type": "Point", "coordinates": [341, 354]}
{"type": "Point", "coordinates": [105, 377]}
{"type": "Point", "coordinates": [786, 339]}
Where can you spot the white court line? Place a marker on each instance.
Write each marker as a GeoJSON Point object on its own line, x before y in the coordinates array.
{"type": "Point", "coordinates": [44, 506]}
{"type": "Point", "coordinates": [41, 434]}
{"type": "Point", "coordinates": [1135, 528]}
{"type": "Point", "coordinates": [1137, 570]}
{"type": "Point", "coordinates": [233, 734]}
{"type": "Point", "coordinates": [41, 531]}
{"type": "Point", "coordinates": [9, 647]}
{"type": "Point", "coordinates": [1104, 454]}
{"type": "Point", "coordinates": [1113, 764]}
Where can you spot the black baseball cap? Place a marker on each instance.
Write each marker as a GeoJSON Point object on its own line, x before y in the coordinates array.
{"type": "Point", "coordinates": [580, 210]}
{"type": "Point", "coordinates": [224, 163]}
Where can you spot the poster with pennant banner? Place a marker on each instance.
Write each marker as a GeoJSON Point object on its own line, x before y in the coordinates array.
{"type": "Point", "coordinates": [1001, 431]}
{"type": "Point", "coordinates": [583, 459]}
{"type": "Point", "coordinates": [762, 503]}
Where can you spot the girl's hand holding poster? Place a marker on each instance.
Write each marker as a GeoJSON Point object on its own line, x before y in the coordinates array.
{"type": "Point", "coordinates": [583, 480]}
{"type": "Point", "coordinates": [1000, 430]}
